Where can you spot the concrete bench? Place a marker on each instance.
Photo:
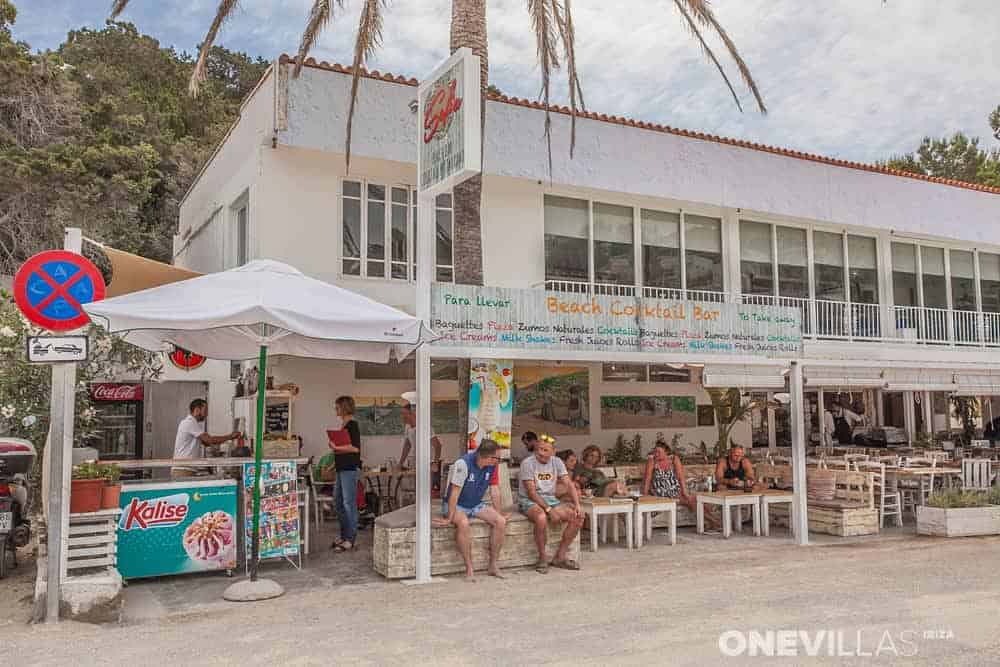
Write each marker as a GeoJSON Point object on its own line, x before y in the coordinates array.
{"type": "Point", "coordinates": [394, 548]}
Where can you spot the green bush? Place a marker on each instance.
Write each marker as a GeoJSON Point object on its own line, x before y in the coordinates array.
{"type": "Point", "coordinates": [954, 498]}
{"type": "Point", "coordinates": [994, 495]}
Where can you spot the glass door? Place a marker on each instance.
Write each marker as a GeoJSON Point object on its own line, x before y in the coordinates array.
{"type": "Point", "coordinates": [119, 429]}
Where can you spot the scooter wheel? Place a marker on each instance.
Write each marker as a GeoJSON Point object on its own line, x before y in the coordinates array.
{"type": "Point", "coordinates": [3, 558]}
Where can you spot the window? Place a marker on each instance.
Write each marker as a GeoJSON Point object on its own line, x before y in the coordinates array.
{"type": "Point", "coordinates": [828, 266]}
{"type": "Point", "coordinates": [703, 253]}
{"type": "Point", "coordinates": [567, 235]}
{"type": "Point", "coordinates": [862, 257]}
{"type": "Point", "coordinates": [904, 275]}
{"type": "Point", "coordinates": [963, 280]}
{"type": "Point", "coordinates": [932, 270]}
{"type": "Point", "coordinates": [756, 261]}
{"type": "Point", "coordinates": [242, 235]}
{"type": "Point", "coordinates": [989, 281]}
{"type": "Point", "coordinates": [379, 226]}
{"type": "Point", "coordinates": [441, 369]}
{"type": "Point", "coordinates": [661, 249]}
{"type": "Point", "coordinates": [793, 263]}
{"type": "Point", "coordinates": [614, 258]}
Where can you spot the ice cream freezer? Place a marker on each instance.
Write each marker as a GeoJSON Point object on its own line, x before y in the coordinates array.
{"type": "Point", "coordinates": [169, 528]}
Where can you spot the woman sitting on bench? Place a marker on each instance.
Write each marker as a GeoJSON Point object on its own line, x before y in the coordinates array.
{"type": "Point", "coordinates": [589, 477]}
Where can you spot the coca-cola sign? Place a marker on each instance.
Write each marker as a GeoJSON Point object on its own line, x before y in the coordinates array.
{"type": "Point", "coordinates": [115, 391]}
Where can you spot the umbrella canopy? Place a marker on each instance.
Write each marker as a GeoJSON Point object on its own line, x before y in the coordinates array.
{"type": "Point", "coordinates": [230, 314]}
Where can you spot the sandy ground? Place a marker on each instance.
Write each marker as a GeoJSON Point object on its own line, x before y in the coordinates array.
{"type": "Point", "coordinates": [935, 600]}
{"type": "Point", "coordinates": [16, 592]}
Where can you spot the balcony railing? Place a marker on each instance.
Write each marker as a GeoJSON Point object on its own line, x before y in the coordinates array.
{"type": "Point", "coordinates": [834, 320]}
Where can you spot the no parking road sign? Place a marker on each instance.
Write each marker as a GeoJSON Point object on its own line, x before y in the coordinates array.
{"type": "Point", "coordinates": [51, 288]}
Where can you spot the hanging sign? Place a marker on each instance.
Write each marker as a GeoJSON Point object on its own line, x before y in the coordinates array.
{"type": "Point", "coordinates": [116, 392]}
{"type": "Point", "coordinates": [526, 319]}
{"type": "Point", "coordinates": [491, 401]}
{"type": "Point", "coordinates": [279, 509]}
{"type": "Point", "coordinates": [450, 129]}
{"type": "Point", "coordinates": [52, 286]}
{"type": "Point", "coordinates": [184, 360]}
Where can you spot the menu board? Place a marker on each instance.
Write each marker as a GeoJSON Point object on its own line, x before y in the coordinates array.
{"type": "Point", "coordinates": [279, 509]}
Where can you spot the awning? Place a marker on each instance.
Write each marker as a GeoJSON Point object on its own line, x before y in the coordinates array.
{"type": "Point", "coordinates": [132, 273]}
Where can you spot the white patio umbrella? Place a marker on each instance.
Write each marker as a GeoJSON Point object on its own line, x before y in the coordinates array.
{"type": "Point", "coordinates": [260, 308]}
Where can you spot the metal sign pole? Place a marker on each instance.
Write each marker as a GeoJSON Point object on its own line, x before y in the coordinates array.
{"type": "Point", "coordinates": [800, 519]}
{"type": "Point", "coordinates": [61, 413]}
{"type": "Point", "coordinates": [425, 271]}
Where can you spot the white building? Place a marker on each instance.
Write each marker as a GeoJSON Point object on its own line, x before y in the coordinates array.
{"type": "Point", "coordinates": [897, 276]}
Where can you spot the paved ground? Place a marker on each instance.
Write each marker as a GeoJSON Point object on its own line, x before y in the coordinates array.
{"type": "Point", "coordinates": [656, 606]}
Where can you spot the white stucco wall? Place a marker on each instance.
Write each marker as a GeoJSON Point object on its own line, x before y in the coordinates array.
{"type": "Point", "coordinates": [622, 159]}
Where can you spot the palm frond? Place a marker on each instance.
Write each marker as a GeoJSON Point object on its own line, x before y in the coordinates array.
{"type": "Point", "coordinates": [199, 74]}
{"type": "Point", "coordinates": [703, 14]}
{"type": "Point", "coordinates": [117, 7]}
{"type": "Point", "coordinates": [544, 23]}
{"type": "Point", "coordinates": [707, 50]}
{"type": "Point", "coordinates": [319, 17]}
{"type": "Point", "coordinates": [368, 40]}
{"type": "Point", "coordinates": [564, 20]}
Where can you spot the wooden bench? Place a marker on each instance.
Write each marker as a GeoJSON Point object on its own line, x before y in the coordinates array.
{"type": "Point", "coordinates": [394, 547]}
{"type": "Point", "coordinates": [851, 512]}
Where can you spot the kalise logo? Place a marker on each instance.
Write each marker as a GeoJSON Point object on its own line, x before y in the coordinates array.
{"type": "Point", "coordinates": [155, 512]}
{"type": "Point", "coordinates": [113, 391]}
{"type": "Point", "coordinates": [439, 112]}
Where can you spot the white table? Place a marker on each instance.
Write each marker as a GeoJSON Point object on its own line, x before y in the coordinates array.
{"type": "Point", "coordinates": [596, 508]}
{"type": "Point", "coordinates": [727, 500]}
{"type": "Point", "coordinates": [644, 525]}
{"type": "Point", "coordinates": [775, 497]}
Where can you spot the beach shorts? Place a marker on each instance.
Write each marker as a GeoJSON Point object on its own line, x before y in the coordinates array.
{"type": "Point", "coordinates": [525, 504]}
{"type": "Point", "coordinates": [470, 512]}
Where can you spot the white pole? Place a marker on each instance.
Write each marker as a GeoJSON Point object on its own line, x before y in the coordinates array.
{"type": "Point", "coordinates": [927, 403]}
{"type": "Point", "coordinates": [800, 517]}
{"type": "Point", "coordinates": [879, 407]}
{"type": "Point", "coordinates": [61, 411]}
{"type": "Point", "coordinates": [824, 437]}
{"type": "Point", "coordinates": [426, 270]}
{"type": "Point", "coordinates": [909, 417]}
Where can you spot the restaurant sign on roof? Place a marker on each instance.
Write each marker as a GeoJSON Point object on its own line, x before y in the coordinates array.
{"type": "Point", "coordinates": [471, 316]}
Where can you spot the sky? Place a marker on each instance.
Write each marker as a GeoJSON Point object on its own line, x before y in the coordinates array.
{"type": "Point", "coordinates": [853, 79]}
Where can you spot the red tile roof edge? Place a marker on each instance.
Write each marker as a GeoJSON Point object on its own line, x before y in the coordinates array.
{"type": "Point", "coordinates": [629, 122]}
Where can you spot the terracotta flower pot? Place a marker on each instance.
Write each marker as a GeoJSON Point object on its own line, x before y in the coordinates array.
{"type": "Point", "coordinates": [85, 495]}
{"type": "Point", "coordinates": [110, 496]}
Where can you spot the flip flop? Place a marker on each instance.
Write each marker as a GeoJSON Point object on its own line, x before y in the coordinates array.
{"type": "Point", "coordinates": [541, 567]}
{"type": "Point", "coordinates": [567, 564]}
{"type": "Point", "coordinates": [341, 548]}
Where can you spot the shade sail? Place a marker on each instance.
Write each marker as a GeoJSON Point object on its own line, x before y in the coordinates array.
{"type": "Point", "coordinates": [132, 273]}
{"type": "Point", "coordinates": [230, 314]}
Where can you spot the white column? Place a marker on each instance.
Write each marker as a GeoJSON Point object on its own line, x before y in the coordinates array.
{"type": "Point", "coordinates": [772, 435]}
{"type": "Point", "coordinates": [927, 403]}
{"type": "Point", "coordinates": [879, 407]}
{"type": "Point", "coordinates": [909, 416]}
{"type": "Point", "coordinates": [800, 517]}
{"type": "Point", "coordinates": [425, 273]}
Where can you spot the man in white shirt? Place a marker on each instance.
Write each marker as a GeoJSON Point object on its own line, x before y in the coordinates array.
{"type": "Point", "coordinates": [409, 416]}
{"type": "Point", "coordinates": [191, 437]}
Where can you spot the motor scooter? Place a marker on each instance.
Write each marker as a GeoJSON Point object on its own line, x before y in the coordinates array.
{"type": "Point", "coordinates": [16, 460]}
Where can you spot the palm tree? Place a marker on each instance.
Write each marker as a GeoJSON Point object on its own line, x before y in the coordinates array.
{"type": "Point", "coordinates": [555, 37]}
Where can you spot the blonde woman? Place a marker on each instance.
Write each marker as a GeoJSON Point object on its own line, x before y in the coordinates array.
{"type": "Point", "coordinates": [348, 465]}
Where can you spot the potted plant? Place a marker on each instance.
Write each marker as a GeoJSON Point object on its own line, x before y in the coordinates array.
{"type": "Point", "coordinates": [85, 488]}
{"type": "Point", "coordinates": [960, 514]}
{"type": "Point", "coordinates": [112, 491]}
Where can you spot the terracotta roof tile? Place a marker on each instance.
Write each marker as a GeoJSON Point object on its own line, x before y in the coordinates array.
{"type": "Point", "coordinates": [666, 129]}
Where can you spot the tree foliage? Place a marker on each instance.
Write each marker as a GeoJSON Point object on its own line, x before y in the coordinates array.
{"type": "Point", "coordinates": [957, 157]}
{"type": "Point", "coordinates": [101, 134]}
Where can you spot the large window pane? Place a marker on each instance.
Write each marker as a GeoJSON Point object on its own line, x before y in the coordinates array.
{"type": "Point", "coordinates": [935, 289]}
{"type": "Point", "coordinates": [398, 237]}
{"type": "Point", "coordinates": [614, 258]}
{"type": "Point", "coordinates": [963, 280]}
{"type": "Point", "coordinates": [793, 264]}
{"type": "Point", "coordinates": [444, 245]}
{"type": "Point", "coordinates": [989, 281]}
{"type": "Point", "coordinates": [828, 265]}
{"type": "Point", "coordinates": [904, 275]}
{"type": "Point", "coordinates": [376, 231]}
{"type": "Point", "coordinates": [756, 262]}
{"type": "Point", "coordinates": [567, 234]}
{"type": "Point", "coordinates": [661, 249]}
{"type": "Point", "coordinates": [862, 258]}
{"type": "Point", "coordinates": [703, 253]}
{"type": "Point", "coordinates": [351, 215]}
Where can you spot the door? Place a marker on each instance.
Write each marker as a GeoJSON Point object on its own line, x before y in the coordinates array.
{"type": "Point", "coordinates": [167, 404]}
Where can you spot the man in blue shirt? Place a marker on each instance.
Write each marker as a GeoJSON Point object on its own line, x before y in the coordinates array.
{"type": "Point", "coordinates": [471, 477]}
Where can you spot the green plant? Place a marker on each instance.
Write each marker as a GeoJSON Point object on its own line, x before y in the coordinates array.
{"type": "Point", "coordinates": [954, 498]}
{"type": "Point", "coordinates": [967, 409]}
{"type": "Point", "coordinates": [626, 451]}
{"type": "Point", "coordinates": [88, 470]}
{"type": "Point", "coordinates": [729, 410]}
{"type": "Point", "coordinates": [923, 440]}
{"type": "Point", "coordinates": [994, 494]}
{"type": "Point", "coordinates": [110, 472]}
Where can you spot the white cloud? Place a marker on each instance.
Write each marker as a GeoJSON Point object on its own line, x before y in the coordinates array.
{"type": "Point", "coordinates": [859, 80]}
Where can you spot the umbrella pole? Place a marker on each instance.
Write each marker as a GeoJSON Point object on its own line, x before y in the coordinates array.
{"type": "Point", "coordinates": [258, 455]}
